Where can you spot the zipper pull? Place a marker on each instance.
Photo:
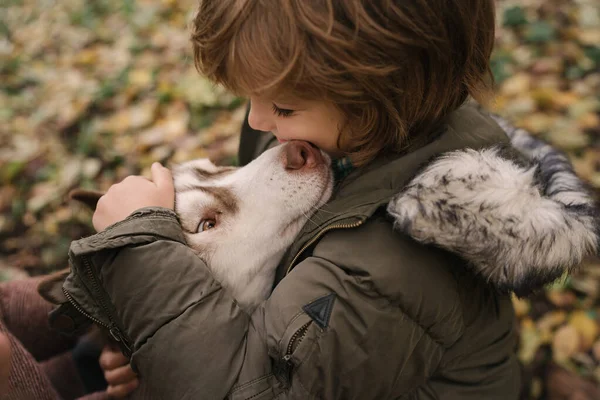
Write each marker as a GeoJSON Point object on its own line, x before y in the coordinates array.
{"type": "Point", "coordinates": [283, 370]}
{"type": "Point", "coordinates": [116, 334]}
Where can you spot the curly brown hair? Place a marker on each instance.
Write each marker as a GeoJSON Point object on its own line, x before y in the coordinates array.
{"type": "Point", "coordinates": [395, 68]}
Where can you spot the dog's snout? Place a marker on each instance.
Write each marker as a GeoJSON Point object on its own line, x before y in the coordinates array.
{"type": "Point", "coordinates": [300, 154]}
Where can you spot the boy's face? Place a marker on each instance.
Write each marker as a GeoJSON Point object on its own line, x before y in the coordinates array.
{"type": "Point", "coordinates": [317, 122]}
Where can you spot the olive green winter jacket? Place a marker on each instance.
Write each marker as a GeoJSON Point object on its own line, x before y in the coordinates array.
{"type": "Point", "coordinates": [398, 288]}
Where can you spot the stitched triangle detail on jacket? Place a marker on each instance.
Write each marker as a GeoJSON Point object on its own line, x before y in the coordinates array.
{"type": "Point", "coordinates": [320, 310]}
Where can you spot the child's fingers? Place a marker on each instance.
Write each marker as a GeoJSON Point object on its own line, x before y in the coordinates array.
{"type": "Point", "coordinates": [111, 359]}
{"type": "Point", "coordinates": [121, 391]}
{"type": "Point", "coordinates": [163, 180]}
{"type": "Point", "coordinates": [120, 375]}
{"type": "Point", "coordinates": [162, 177]}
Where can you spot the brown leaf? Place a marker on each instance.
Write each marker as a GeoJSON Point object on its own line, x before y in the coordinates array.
{"type": "Point", "coordinates": [565, 344]}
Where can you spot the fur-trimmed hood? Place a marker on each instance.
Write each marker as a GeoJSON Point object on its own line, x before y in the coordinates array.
{"type": "Point", "coordinates": [521, 221]}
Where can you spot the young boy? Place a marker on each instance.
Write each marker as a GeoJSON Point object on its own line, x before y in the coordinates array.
{"type": "Point", "coordinates": [378, 84]}
{"type": "Point", "coordinates": [358, 311]}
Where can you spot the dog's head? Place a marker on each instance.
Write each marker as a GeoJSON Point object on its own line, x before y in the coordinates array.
{"type": "Point", "coordinates": [241, 220]}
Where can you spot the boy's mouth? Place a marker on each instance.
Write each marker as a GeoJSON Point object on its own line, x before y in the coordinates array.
{"type": "Point", "coordinates": [281, 140]}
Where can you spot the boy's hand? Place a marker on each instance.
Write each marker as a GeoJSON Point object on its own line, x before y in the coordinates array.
{"type": "Point", "coordinates": [133, 193]}
{"type": "Point", "coordinates": [118, 373]}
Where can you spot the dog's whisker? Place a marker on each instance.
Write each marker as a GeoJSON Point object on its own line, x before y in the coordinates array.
{"type": "Point", "coordinates": [309, 218]}
{"type": "Point", "coordinates": [321, 209]}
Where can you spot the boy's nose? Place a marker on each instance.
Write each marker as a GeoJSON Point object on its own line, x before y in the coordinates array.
{"type": "Point", "coordinates": [259, 119]}
{"type": "Point", "coordinates": [300, 154]}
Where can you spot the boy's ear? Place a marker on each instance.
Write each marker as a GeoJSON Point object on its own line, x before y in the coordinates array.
{"type": "Point", "coordinates": [88, 197]}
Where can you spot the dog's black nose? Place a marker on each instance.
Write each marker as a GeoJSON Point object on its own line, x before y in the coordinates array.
{"type": "Point", "coordinates": [300, 154]}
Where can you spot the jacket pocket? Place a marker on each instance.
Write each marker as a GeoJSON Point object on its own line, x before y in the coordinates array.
{"type": "Point", "coordinates": [259, 389]}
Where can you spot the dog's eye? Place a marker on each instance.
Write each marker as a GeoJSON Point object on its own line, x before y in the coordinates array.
{"type": "Point", "coordinates": [206, 224]}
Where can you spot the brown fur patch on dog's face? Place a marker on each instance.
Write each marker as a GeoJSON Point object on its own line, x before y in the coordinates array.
{"type": "Point", "coordinates": [50, 287]}
{"type": "Point", "coordinates": [87, 197]}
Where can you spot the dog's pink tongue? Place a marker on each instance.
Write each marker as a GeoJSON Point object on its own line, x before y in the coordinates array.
{"type": "Point", "coordinates": [301, 154]}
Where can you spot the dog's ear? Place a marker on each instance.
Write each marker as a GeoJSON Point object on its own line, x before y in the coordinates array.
{"type": "Point", "coordinates": [88, 197]}
{"type": "Point", "coordinates": [50, 287]}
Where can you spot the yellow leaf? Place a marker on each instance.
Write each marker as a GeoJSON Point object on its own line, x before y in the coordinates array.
{"type": "Point", "coordinates": [567, 136]}
{"type": "Point", "coordinates": [588, 120]}
{"type": "Point", "coordinates": [140, 77]}
{"type": "Point", "coordinates": [516, 85]}
{"type": "Point", "coordinates": [544, 97]}
{"type": "Point", "coordinates": [586, 326]}
{"type": "Point", "coordinates": [87, 57]}
{"type": "Point", "coordinates": [537, 122]}
{"type": "Point", "coordinates": [521, 306]}
{"type": "Point", "coordinates": [589, 37]}
{"type": "Point", "coordinates": [565, 99]}
{"type": "Point", "coordinates": [530, 341]}
{"type": "Point", "coordinates": [551, 320]}
{"type": "Point", "coordinates": [566, 342]}
{"type": "Point", "coordinates": [585, 166]}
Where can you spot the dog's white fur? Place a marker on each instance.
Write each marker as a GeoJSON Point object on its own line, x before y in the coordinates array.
{"type": "Point", "coordinates": [259, 209]}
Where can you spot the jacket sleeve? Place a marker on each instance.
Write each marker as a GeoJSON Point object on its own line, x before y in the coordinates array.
{"type": "Point", "coordinates": [321, 334]}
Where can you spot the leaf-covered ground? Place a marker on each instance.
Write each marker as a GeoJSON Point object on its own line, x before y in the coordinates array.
{"type": "Point", "coordinates": [93, 91]}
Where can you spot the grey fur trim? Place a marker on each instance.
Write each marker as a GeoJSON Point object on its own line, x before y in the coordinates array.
{"type": "Point", "coordinates": [519, 226]}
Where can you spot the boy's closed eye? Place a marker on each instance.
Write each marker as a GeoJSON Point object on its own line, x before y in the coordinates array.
{"type": "Point", "coordinates": [282, 112]}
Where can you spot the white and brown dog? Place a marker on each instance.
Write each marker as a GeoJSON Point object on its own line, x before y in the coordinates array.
{"type": "Point", "coordinates": [240, 221]}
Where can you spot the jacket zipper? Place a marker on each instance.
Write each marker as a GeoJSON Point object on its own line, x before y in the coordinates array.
{"type": "Point", "coordinates": [113, 329]}
{"type": "Point", "coordinates": [285, 369]}
{"type": "Point", "coordinates": [321, 233]}
{"type": "Point", "coordinates": [74, 304]}
{"type": "Point", "coordinates": [295, 340]}
{"type": "Point", "coordinates": [300, 334]}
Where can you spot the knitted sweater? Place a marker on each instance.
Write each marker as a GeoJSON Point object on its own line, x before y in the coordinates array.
{"type": "Point", "coordinates": [42, 364]}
